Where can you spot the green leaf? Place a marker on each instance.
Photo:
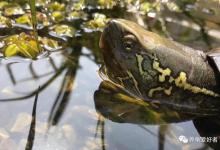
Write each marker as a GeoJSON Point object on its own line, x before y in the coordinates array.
{"type": "Point", "coordinates": [50, 44]}
{"type": "Point", "coordinates": [3, 4]}
{"type": "Point", "coordinates": [5, 22]}
{"type": "Point", "coordinates": [58, 16]}
{"type": "Point", "coordinates": [63, 30]}
{"type": "Point", "coordinates": [22, 45]}
{"type": "Point", "coordinates": [11, 50]}
{"type": "Point", "coordinates": [56, 7]}
{"type": "Point", "coordinates": [24, 19]}
{"type": "Point", "coordinates": [13, 9]}
{"type": "Point", "coordinates": [99, 22]}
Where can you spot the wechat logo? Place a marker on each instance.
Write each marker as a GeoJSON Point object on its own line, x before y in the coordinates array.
{"type": "Point", "coordinates": [183, 139]}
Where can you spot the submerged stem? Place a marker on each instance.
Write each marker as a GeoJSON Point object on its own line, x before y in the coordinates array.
{"type": "Point", "coordinates": [34, 21]}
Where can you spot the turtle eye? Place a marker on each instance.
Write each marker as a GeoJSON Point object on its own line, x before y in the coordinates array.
{"type": "Point", "coordinates": [129, 42]}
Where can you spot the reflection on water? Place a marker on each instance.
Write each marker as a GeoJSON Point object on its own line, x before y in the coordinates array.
{"type": "Point", "coordinates": [59, 102]}
{"type": "Point", "coordinates": [171, 129]}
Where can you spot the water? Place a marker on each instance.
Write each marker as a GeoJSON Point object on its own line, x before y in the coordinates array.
{"type": "Point", "coordinates": [75, 111]}
{"type": "Point", "coordinates": [76, 127]}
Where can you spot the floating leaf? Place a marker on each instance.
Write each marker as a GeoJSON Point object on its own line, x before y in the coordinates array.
{"type": "Point", "coordinates": [77, 15]}
{"type": "Point", "coordinates": [146, 7]}
{"type": "Point", "coordinates": [79, 5]}
{"type": "Point", "coordinates": [63, 30]}
{"type": "Point", "coordinates": [58, 16]}
{"type": "Point", "coordinates": [173, 7]}
{"type": "Point", "coordinates": [3, 4]}
{"type": "Point", "coordinates": [42, 19]}
{"type": "Point", "coordinates": [22, 45]}
{"type": "Point", "coordinates": [40, 3]}
{"type": "Point", "coordinates": [50, 44]}
{"type": "Point", "coordinates": [107, 3]}
{"type": "Point", "coordinates": [25, 19]}
{"type": "Point", "coordinates": [13, 9]}
{"type": "Point", "coordinates": [11, 50]}
{"type": "Point", "coordinates": [5, 22]}
{"type": "Point", "coordinates": [98, 22]}
{"type": "Point", "coordinates": [56, 7]}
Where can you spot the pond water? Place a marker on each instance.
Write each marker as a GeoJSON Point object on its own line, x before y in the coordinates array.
{"type": "Point", "coordinates": [76, 109]}
{"type": "Point", "coordinates": [77, 123]}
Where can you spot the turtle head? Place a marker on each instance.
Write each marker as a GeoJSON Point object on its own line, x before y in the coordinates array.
{"type": "Point", "coordinates": [127, 49]}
